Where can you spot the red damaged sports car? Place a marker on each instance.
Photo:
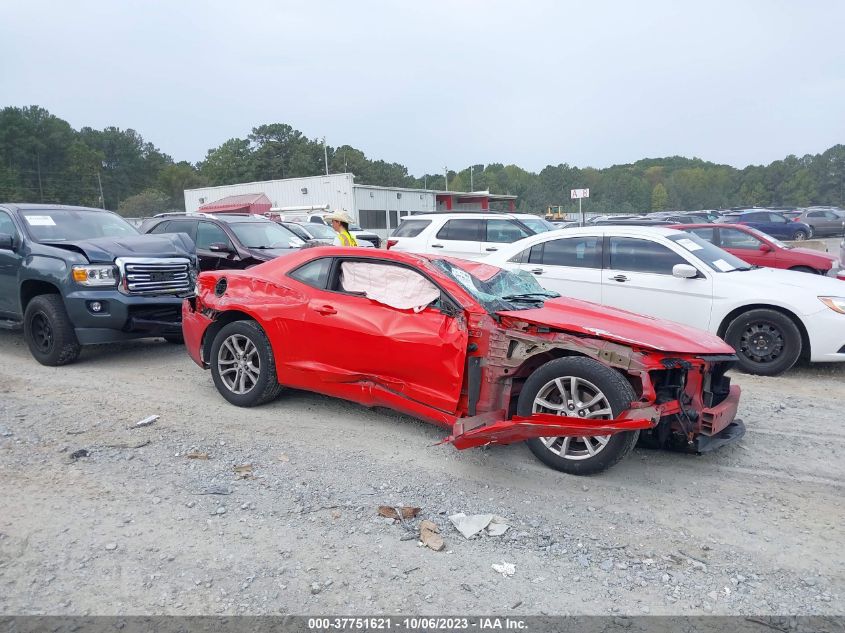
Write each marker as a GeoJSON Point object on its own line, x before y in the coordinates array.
{"type": "Point", "coordinates": [486, 353]}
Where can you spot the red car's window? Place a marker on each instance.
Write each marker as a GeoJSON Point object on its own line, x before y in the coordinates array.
{"type": "Point", "coordinates": [733, 238]}
{"type": "Point", "coordinates": [705, 234]}
{"type": "Point", "coordinates": [314, 273]}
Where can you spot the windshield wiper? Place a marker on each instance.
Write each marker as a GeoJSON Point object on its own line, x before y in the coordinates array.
{"type": "Point", "coordinates": [531, 296]}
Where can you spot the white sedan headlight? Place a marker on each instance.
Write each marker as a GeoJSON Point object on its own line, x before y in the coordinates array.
{"type": "Point", "coordinates": [837, 304]}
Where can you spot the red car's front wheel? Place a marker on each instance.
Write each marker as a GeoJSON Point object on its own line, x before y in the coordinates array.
{"type": "Point", "coordinates": [243, 366]}
{"type": "Point", "coordinates": [584, 388]}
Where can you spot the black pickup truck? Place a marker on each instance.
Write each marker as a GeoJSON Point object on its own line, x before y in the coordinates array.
{"type": "Point", "coordinates": [73, 276]}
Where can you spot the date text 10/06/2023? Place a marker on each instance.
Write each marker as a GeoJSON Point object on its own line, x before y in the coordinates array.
{"type": "Point", "coordinates": [416, 623]}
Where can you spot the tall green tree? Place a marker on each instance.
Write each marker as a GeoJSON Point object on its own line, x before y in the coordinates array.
{"type": "Point", "coordinates": [228, 164]}
{"type": "Point", "coordinates": [43, 158]}
{"type": "Point", "coordinates": [659, 197]}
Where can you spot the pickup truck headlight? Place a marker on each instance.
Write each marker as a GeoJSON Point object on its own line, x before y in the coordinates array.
{"type": "Point", "coordinates": [95, 275]}
{"type": "Point", "coordinates": [837, 304]}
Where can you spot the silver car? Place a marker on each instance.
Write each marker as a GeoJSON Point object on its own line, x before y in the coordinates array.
{"type": "Point", "coordinates": [823, 220]}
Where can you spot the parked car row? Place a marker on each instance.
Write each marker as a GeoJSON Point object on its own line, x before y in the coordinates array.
{"type": "Point", "coordinates": [577, 341]}
{"type": "Point", "coordinates": [771, 319]}
{"type": "Point", "coordinates": [486, 352]}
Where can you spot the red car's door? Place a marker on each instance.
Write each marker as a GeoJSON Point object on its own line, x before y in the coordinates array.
{"type": "Point", "coordinates": [352, 339]}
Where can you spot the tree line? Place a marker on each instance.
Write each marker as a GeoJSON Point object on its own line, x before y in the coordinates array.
{"type": "Point", "coordinates": [44, 159]}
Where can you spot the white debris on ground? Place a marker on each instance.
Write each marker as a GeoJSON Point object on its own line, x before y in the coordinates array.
{"type": "Point", "coordinates": [506, 569]}
{"type": "Point", "coordinates": [469, 526]}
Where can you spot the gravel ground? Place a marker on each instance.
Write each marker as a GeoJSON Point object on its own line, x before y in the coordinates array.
{"type": "Point", "coordinates": [137, 527]}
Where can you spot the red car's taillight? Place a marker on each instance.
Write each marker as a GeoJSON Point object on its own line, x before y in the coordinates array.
{"type": "Point", "coordinates": [392, 243]}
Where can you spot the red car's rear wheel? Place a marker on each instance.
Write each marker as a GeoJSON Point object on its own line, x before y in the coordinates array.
{"type": "Point", "coordinates": [243, 366]}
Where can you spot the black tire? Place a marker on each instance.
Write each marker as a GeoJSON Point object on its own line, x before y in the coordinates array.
{"type": "Point", "coordinates": [804, 269]}
{"type": "Point", "coordinates": [174, 339]}
{"type": "Point", "coordinates": [48, 331]}
{"type": "Point", "coordinates": [767, 342]}
{"type": "Point", "coordinates": [265, 387]}
{"type": "Point", "coordinates": [619, 395]}
{"type": "Point", "coordinates": [800, 236]}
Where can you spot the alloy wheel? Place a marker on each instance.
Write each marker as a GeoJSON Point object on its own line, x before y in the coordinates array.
{"type": "Point", "coordinates": [576, 397]}
{"type": "Point", "coordinates": [238, 364]}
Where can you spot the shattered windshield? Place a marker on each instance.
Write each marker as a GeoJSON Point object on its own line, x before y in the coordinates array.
{"type": "Point", "coordinates": [505, 290]}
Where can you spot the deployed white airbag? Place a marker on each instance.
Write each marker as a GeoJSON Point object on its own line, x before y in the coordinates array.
{"type": "Point", "coordinates": [394, 286]}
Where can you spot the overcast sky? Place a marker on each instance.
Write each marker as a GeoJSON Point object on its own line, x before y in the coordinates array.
{"type": "Point", "coordinates": [432, 83]}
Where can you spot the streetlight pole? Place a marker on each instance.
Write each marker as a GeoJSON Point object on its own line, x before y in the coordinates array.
{"type": "Point", "coordinates": [326, 156]}
{"type": "Point", "coordinates": [471, 185]}
{"type": "Point", "coordinates": [446, 177]}
{"type": "Point", "coordinates": [102, 199]}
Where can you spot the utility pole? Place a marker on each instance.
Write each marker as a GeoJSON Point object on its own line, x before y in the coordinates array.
{"type": "Point", "coordinates": [425, 181]}
{"type": "Point", "coordinates": [326, 155]}
{"type": "Point", "coordinates": [102, 199]}
{"type": "Point", "coordinates": [40, 187]}
{"type": "Point", "coordinates": [446, 177]}
{"type": "Point", "coordinates": [471, 186]}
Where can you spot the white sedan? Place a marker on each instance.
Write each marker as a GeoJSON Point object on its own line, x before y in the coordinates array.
{"type": "Point", "coordinates": [771, 317]}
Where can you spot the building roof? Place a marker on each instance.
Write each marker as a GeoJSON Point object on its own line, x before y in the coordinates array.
{"type": "Point", "coordinates": [252, 202]}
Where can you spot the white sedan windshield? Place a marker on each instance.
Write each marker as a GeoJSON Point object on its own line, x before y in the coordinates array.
{"type": "Point", "coordinates": [717, 259]}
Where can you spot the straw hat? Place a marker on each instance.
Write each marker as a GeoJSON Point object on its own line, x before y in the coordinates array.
{"type": "Point", "coordinates": [340, 216]}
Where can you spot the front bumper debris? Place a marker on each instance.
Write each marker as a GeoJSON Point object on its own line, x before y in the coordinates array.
{"type": "Point", "coordinates": [519, 428]}
{"type": "Point", "coordinates": [734, 432]}
{"type": "Point", "coordinates": [715, 419]}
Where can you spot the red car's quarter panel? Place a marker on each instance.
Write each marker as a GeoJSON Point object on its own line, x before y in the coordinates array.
{"type": "Point", "coordinates": [194, 326]}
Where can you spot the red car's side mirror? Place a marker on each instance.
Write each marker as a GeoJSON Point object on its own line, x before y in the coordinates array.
{"type": "Point", "coordinates": [765, 248]}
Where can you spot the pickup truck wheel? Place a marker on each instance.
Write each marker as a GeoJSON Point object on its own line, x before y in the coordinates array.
{"type": "Point", "coordinates": [243, 366]}
{"type": "Point", "coordinates": [48, 331]}
{"type": "Point", "coordinates": [579, 387]}
{"type": "Point", "coordinates": [767, 342]}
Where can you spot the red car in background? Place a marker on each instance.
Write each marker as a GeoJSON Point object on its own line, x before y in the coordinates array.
{"type": "Point", "coordinates": [759, 249]}
{"type": "Point", "coordinates": [485, 352]}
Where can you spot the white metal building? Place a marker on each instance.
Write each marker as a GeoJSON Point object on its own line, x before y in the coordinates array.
{"type": "Point", "coordinates": [375, 208]}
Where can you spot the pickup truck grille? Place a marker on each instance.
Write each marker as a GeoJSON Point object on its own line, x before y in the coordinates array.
{"type": "Point", "coordinates": [150, 276]}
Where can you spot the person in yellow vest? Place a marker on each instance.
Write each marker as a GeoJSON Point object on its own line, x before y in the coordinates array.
{"type": "Point", "coordinates": [340, 222]}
